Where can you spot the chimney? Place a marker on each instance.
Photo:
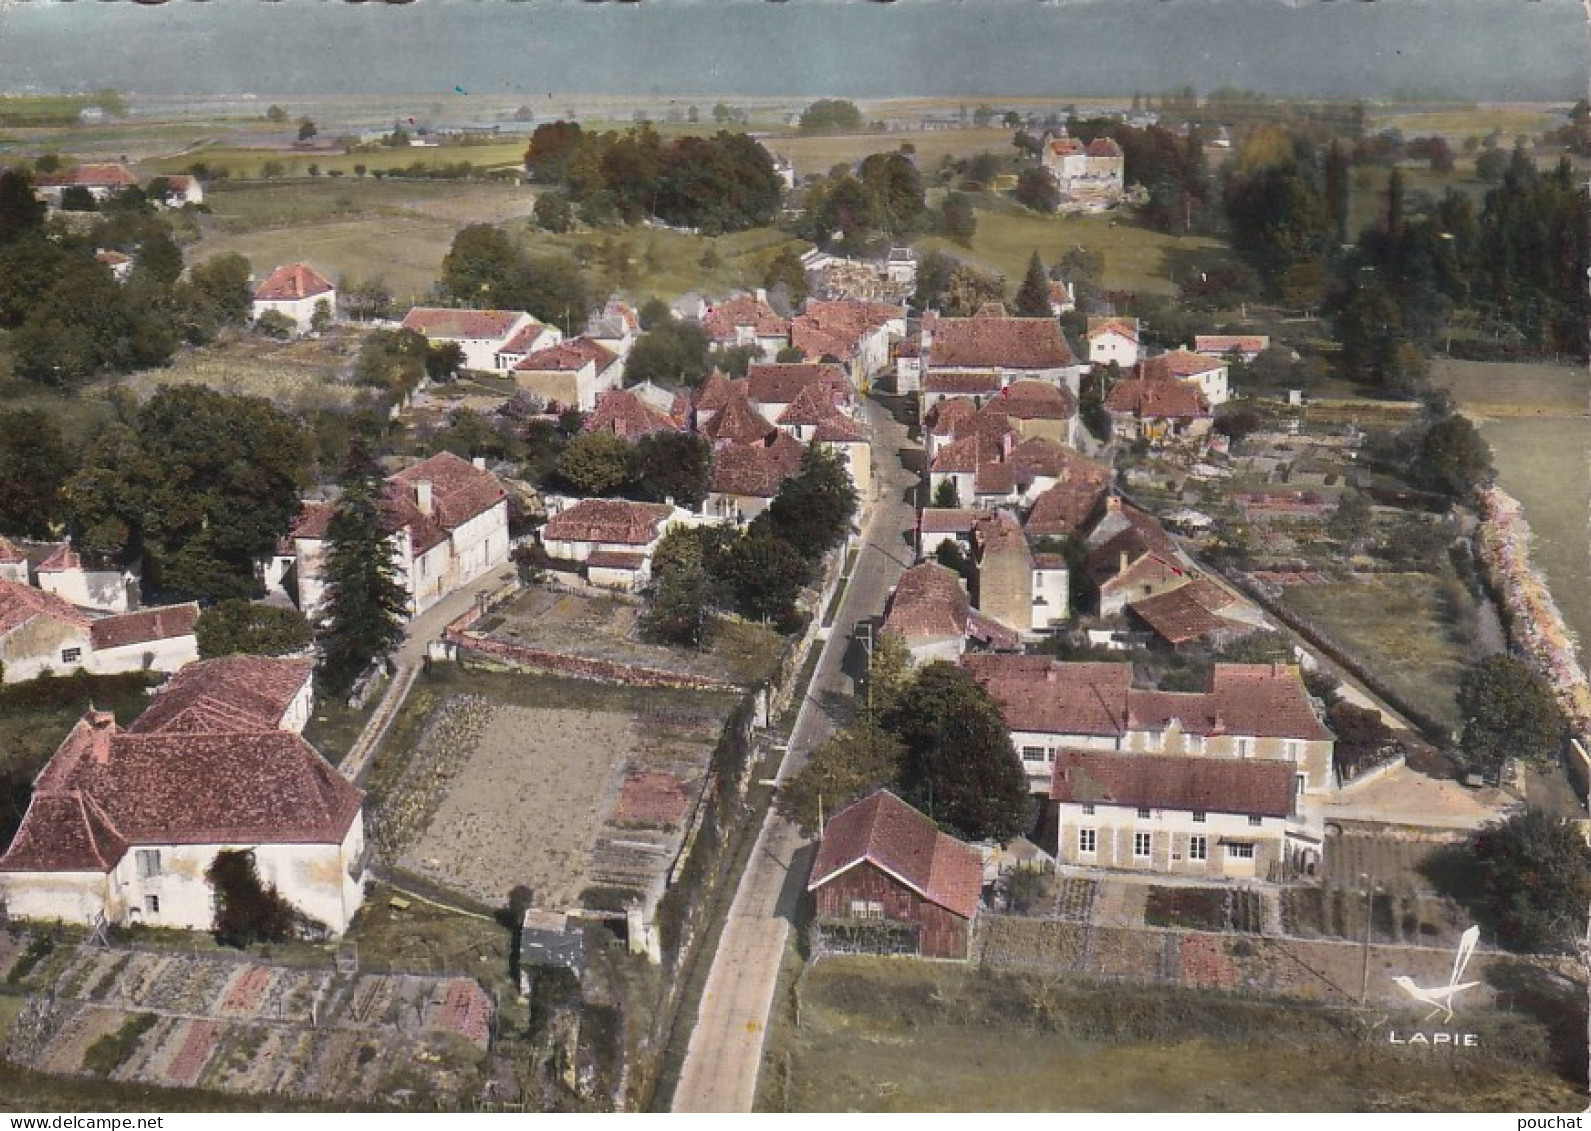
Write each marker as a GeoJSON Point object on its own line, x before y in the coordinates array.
{"type": "Point", "coordinates": [422, 496]}
{"type": "Point", "coordinates": [1122, 568]}
{"type": "Point", "coordinates": [102, 724]}
{"type": "Point", "coordinates": [762, 294]}
{"type": "Point", "coordinates": [1112, 504]}
{"type": "Point", "coordinates": [479, 463]}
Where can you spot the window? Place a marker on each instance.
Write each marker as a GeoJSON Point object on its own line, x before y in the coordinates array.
{"type": "Point", "coordinates": [152, 904]}
{"type": "Point", "coordinates": [1290, 749]}
{"type": "Point", "coordinates": [1143, 814]}
{"type": "Point", "coordinates": [1088, 810]}
{"type": "Point", "coordinates": [1087, 841]}
{"type": "Point", "coordinates": [1033, 753]}
{"type": "Point", "coordinates": [1300, 782]}
{"type": "Point", "coordinates": [1141, 844]}
{"type": "Point", "coordinates": [866, 909]}
{"type": "Point", "coordinates": [1240, 851]}
{"type": "Point", "coordinates": [148, 863]}
{"type": "Point", "coordinates": [71, 655]}
{"type": "Point", "coordinates": [1242, 748]}
{"type": "Point", "coordinates": [1254, 820]}
{"type": "Point", "coordinates": [1195, 743]}
{"type": "Point", "coordinates": [1198, 816]}
{"type": "Point", "coordinates": [1198, 848]}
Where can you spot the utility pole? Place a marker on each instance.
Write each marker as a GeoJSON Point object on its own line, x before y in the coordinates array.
{"type": "Point", "coordinates": [1370, 894]}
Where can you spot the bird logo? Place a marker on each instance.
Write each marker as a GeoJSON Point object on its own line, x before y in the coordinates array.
{"type": "Point", "coordinates": [1441, 997]}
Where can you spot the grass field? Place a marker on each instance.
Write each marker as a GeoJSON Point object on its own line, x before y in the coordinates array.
{"type": "Point", "coordinates": [249, 161]}
{"type": "Point", "coordinates": [1399, 626]}
{"type": "Point", "coordinates": [819, 154]}
{"type": "Point", "coordinates": [899, 1035]}
{"type": "Point", "coordinates": [1135, 258]}
{"type": "Point", "coordinates": [1486, 388]}
{"type": "Point", "coordinates": [1476, 122]}
{"type": "Point", "coordinates": [646, 262]}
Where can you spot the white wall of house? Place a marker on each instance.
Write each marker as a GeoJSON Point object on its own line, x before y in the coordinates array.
{"type": "Point", "coordinates": [734, 508]}
{"type": "Point", "coordinates": [164, 885]}
{"type": "Point", "coordinates": [963, 481]}
{"type": "Point", "coordinates": [908, 374]}
{"type": "Point", "coordinates": [573, 550]}
{"type": "Point", "coordinates": [624, 580]}
{"type": "Point", "coordinates": [166, 655]}
{"type": "Point", "coordinates": [300, 310]}
{"type": "Point", "coordinates": [41, 645]}
{"type": "Point", "coordinates": [1177, 840]}
{"type": "Point", "coordinates": [1214, 385]}
{"type": "Point", "coordinates": [89, 588]}
{"type": "Point", "coordinates": [1110, 346]}
{"type": "Point", "coordinates": [925, 650]}
{"type": "Point", "coordinates": [1051, 598]}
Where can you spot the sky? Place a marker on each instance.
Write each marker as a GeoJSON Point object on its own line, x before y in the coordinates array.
{"type": "Point", "coordinates": [1486, 50]}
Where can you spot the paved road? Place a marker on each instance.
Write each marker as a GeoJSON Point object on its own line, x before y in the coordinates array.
{"type": "Point", "coordinates": [720, 1070]}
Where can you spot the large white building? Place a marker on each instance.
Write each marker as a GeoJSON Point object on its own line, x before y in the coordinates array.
{"type": "Point", "coordinates": [448, 524]}
{"type": "Point", "coordinates": [296, 291]}
{"type": "Point", "coordinates": [124, 823]}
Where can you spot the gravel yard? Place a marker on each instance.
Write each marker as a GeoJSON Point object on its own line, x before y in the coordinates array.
{"type": "Point", "coordinates": [526, 803]}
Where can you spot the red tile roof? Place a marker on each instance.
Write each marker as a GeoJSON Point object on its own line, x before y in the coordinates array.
{"type": "Point", "coordinates": [737, 422]}
{"type": "Point", "coordinates": [755, 470]}
{"type": "Point", "coordinates": [1104, 147]}
{"type": "Point", "coordinates": [1062, 146]}
{"type": "Point", "coordinates": [1036, 694]}
{"type": "Point", "coordinates": [1189, 611]}
{"type": "Point", "coordinates": [292, 282]}
{"type": "Point", "coordinates": [476, 325]}
{"type": "Point", "coordinates": [713, 392]}
{"type": "Point", "coordinates": [1065, 507]}
{"type": "Point", "coordinates": [627, 416]}
{"type": "Point", "coordinates": [1035, 400]}
{"type": "Point", "coordinates": [997, 532]}
{"type": "Point", "coordinates": [525, 339]}
{"type": "Point", "coordinates": [928, 603]}
{"type": "Point", "coordinates": [9, 552]}
{"type": "Point", "coordinates": [942, 418]}
{"type": "Point", "coordinates": [836, 329]}
{"type": "Point", "coordinates": [1005, 343]}
{"type": "Point", "coordinates": [90, 176]}
{"type": "Point", "coordinates": [62, 559]}
{"type": "Point", "coordinates": [607, 520]}
{"type": "Point", "coordinates": [64, 832]}
{"type": "Point", "coordinates": [1148, 570]}
{"type": "Point", "coordinates": [1042, 456]}
{"type": "Point", "coordinates": [266, 787]}
{"type": "Point", "coordinates": [21, 603]}
{"type": "Point", "coordinates": [783, 383]}
{"type": "Point", "coordinates": [228, 694]}
{"type": "Point", "coordinates": [1190, 783]}
{"type": "Point", "coordinates": [744, 310]}
{"type": "Point", "coordinates": [1153, 399]}
{"type": "Point", "coordinates": [615, 559]}
{"type": "Point", "coordinates": [837, 428]}
{"type": "Point", "coordinates": [1223, 344]}
{"type": "Point", "coordinates": [145, 626]}
{"type": "Point", "coordinates": [1185, 364]}
{"type": "Point", "coordinates": [1101, 325]}
{"type": "Point", "coordinates": [964, 384]}
{"type": "Point", "coordinates": [460, 491]}
{"type": "Point", "coordinates": [947, 520]}
{"type": "Point", "coordinates": [889, 834]}
{"type": "Point", "coordinates": [568, 356]}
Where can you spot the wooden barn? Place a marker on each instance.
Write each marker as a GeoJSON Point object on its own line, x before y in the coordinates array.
{"type": "Point", "coordinates": [886, 879]}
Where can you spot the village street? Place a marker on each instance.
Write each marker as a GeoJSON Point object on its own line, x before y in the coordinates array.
{"type": "Point", "coordinates": [720, 1071]}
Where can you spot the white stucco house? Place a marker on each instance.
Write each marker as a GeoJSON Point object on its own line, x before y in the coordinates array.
{"type": "Point", "coordinates": [448, 524]}
{"type": "Point", "coordinates": [481, 334]}
{"type": "Point", "coordinates": [124, 823]}
{"type": "Point", "coordinates": [41, 632]}
{"type": "Point", "coordinates": [295, 291]}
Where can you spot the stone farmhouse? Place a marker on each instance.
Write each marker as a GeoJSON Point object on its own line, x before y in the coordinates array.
{"type": "Point", "coordinates": [295, 291]}
{"type": "Point", "coordinates": [747, 320]}
{"type": "Point", "coordinates": [40, 632]}
{"type": "Point", "coordinates": [123, 823]}
{"type": "Point", "coordinates": [613, 538]}
{"type": "Point", "coordinates": [570, 374]}
{"type": "Point", "coordinates": [447, 521]}
{"type": "Point", "coordinates": [1155, 406]}
{"type": "Point", "coordinates": [932, 614]}
{"type": "Point", "coordinates": [977, 357]}
{"type": "Point", "coordinates": [880, 862]}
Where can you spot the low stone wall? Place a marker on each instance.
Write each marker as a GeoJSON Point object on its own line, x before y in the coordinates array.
{"type": "Point", "coordinates": [577, 667]}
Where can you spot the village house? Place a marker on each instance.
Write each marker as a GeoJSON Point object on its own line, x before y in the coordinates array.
{"type": "Point", "coordinates": [528, 339]}
{"type": "Point", "coordinates": [626, 415]}
{"type": "Point", "coordinates": [570, 374]}
{"type": "Point", "coordinates": [40, 632]}
{"type": "Point", "coordinates": [1245, 347]}
{"type": "Point", "coordinates": [1090, 177]}
{"type": "Point", "coordinates": [931, 613]}
{"type": "Point", "coordinates": [1198, 611]}
{"type": "Point", "coordinates": [746, 475]}
{"type": "Point", "coordinates": [856, 335]}
{"type": "Point", "coordinates": [613, 538]}
{"type": "Point", "coordinates": [123, 823]}
{"type": "Point", "coordinates": [908, 357]}
{"type": "Point", "coordinates": [1247, 712]}
{"type": "Point", "coordinates": [1197, 817]}
{"type": "Point", "coordinates": [64, 574]}
{"type": "Point", "coordinates": [879, 861]}
{"type": "Point", "coordinates": [1131, 557]}
{"type": "Point", "coordinates": [1207, 374]}
{"type": "Point", "coordinates": [295, 291]}
{"type": "Point", "coordinates": [244, 693]}
{"type": "Point", "coordinates": [1071, 503]}
{"type": "Point", "coordinates": [770, 389]}
{"type": "Point", "coordinates": [615, 327]}
{"type": "Point", "coordinates": [103, 181]}
{"type": "Point", "coordinates": [447, 522]}
{"type": "Point", "coordinates": [1113, 339]}
{"type": "Point", "coordinates": [481, 334]}
{"type": "Point", "coordinates": [1156, 407]}
{"type": "Point", "coordinates": [119, 265]}
{"type": "Point", "coordinates": [13, 562]}
{"type": "Point", "coordinates": [977, 357]}
{"type": "Point", "coordinates": [181, 190]}
{"type": "Point", "coordinates": [747, 320]}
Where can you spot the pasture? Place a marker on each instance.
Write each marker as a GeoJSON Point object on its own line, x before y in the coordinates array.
{"type": "Point", "coordinates": [818, 153]}
{"type": "Point", "coordinates": [897, 1035]}
{"type": "Point", "coordinates": [1135, 258]}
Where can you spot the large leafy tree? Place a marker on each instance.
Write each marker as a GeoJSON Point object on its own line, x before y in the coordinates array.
{"type": "Point", "coordinates": [671, 465]}
{"type": "Point", "coordinates": [236, 625]}
{"type": "Point", "coordinates": [959, 767]}
{"type": "Point", "coordinates": [671, 353]}
{"type": "Point", "coordinates": [200, 487]}
{"type": "Point", "coordinates": [849, 764]}
{"type": "Point", "coordinates": [21, 213]}
{"type": "Point", "coordinates": [1509, 712]}
{"type": "Point", "coordinates": [1453, 458]}
{"type": "Point", "coordinates": [365, 604]}
{"type": "Point", "coordinates": [595, 463]}
{"type": "Point", "coordinates": [813, 508]}
{"type": "Point", "coordinates": [34, 465]}
{"type": "Point", "coordinates": [1533, 881]}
